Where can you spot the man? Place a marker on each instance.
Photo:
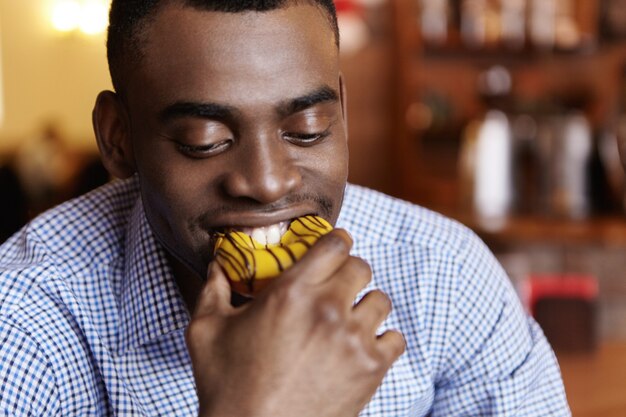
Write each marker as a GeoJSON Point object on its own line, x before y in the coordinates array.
{"type": "Point", "coordinates": [231, 115]}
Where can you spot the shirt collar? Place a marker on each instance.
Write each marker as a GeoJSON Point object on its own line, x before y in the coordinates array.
{"type": "Point", "coordinates": [150, 302]}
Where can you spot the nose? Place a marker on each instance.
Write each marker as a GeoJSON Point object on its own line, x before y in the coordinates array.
{"type": "Point", "coordinates": [263, 171]}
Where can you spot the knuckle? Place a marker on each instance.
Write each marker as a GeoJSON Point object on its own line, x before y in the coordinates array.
{"type": "Point", "coordinates": [374, 364]}
{"type": "Point", "coordinates": [353, 342]}
{"type": "Point", "coordinates": [356, 346]}
{"type": "Point", "coordinates": [361, 348]}
{"type": "Point", "coordinates": [328, 311]}
{"type": "Point", "coordinates": [379, 367]}
{"type": "Point", "coordinates": [294, 291]}
{"type": "Point", "coordinates": [354, 328]}
{"type": "Point", "coordinates": [285, 295]}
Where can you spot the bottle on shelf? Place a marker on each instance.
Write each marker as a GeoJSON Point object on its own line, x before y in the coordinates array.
{"type": "Point", "coordinates": [570, 194]}
{"type": "Point", "coordinates": [434, 21]}
{"type": "Point", "coordinates": [542, 22]}
{"type": "Point", "coordinates": [513, 23]}
{"type": "Point", "coordinates": [493, 174]}
{"type": "Point", "coordinates": [507, 25]}
{"type": "Point", "coordinates": [485, 161]}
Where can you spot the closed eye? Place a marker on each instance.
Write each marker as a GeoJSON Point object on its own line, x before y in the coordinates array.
{"type": "Point", "coordinates": [306, 139]}
{"type": "Point", "coordinates": [204, 151]}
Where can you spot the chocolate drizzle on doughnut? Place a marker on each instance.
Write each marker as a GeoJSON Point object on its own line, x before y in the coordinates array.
{"type": "Point", "coordinates": [246, 261]}
{"type": "Point", "coordinates": [281, 268]}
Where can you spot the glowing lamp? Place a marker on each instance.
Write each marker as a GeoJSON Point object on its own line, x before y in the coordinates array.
{"type": "Point", "coordinates": [66, 15]}
{"type": "Point", "coordinates": [87, 16]}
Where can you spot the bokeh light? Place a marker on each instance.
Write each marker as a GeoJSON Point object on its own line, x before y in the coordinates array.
{"type": "Point", "coordinates": [88, 16]}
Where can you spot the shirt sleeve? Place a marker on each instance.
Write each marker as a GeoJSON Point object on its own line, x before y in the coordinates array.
{"type": "Point", "coordinates": [27, 384]}
{"type": "Point", "coordinates": [498, 361]}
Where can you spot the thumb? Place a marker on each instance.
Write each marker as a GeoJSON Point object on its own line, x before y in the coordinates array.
{"type": "Point", "coordinates": [215, 295]}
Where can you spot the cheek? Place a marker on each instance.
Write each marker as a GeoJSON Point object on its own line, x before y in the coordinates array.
{"type": "Point", "coordinates": [172, 195]}
{"type": "Point", "coordinates": [328, 174]}
{"type": "Point", "coordinates": [326, 160]}
{"type": "Point", "coordinates": [180, 199]}
{"type": "Point", "coordinates": [164, 205]}
{"type": "Point", "coordinates": [169, 181]}
{"type": "Point", "coordinates": [334, 163]}
{"type": "Point", "coordinates": [173, 214]}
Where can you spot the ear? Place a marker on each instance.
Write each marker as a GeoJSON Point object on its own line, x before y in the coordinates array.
{"type": "Point", "coordinates": [621, 144]}
{"type": "Point", "coordinates": [344, 101]}
{"type": "Point", "coordinates": [112, 129]}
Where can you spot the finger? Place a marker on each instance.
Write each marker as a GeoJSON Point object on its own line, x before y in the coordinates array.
{"type": "Point", "coordinates": [323, 259]}
{"type": "Point", "coordinates": [215, 295]}
{"type": "Point", "coordinates": [349, 280]}
{"type": "Point", "coordinates": [391, 344]}
{"type": "Point", "coordinates": [372, 310]}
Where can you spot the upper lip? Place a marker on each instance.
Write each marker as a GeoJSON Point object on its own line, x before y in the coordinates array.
{"type": "Point", "coordinates": [252, 219]}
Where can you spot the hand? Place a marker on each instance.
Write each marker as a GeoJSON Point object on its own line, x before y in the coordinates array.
{"type": "Point", "coordinates": [301, 348]}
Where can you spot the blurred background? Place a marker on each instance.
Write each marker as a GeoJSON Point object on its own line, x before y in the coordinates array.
{"type": "Point", "coordinates": [502, 114]}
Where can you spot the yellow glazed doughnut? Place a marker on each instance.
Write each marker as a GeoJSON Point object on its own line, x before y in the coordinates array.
{"type": "Point", "coordinates": [250, 265]}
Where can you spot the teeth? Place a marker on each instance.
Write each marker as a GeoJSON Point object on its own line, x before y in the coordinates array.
{"type": "Point", "coordinates": [273, 235]}
{"type": "Point", "coordinates": [268, 235]}
{"type": "Point", "coordinates": [260, 236]}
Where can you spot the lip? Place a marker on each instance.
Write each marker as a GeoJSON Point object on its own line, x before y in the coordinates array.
{"type": "Point", "coordinates": [252, 219]}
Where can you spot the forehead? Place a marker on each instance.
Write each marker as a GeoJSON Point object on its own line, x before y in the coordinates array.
{"type": "Point", "coordinates": [262, 56]}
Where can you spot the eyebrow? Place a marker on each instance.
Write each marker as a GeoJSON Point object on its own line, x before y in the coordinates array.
{"type": "Point", "coordinates": [321, 95]}
{"type": "Point", "coordinates": [224, 112]}
{"type": "Point", "coordinates": [199, 110]}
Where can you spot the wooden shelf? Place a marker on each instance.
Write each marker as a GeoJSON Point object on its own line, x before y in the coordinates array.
{"type": "Point", "coordinates": [606, 231]}
{"type": "Point", "coordinates": [503, 55]}
{"type": "Point", "coordinates": [425, 160]}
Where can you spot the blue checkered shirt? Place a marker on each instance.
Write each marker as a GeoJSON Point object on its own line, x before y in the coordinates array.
{"type": "Point", "coordinates": [92, 323]}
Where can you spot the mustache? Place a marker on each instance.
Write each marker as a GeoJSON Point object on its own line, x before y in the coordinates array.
{"type": "Point", "coordinates": [325, 205]}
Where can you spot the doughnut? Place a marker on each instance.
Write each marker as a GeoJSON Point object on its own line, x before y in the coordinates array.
{"type": "Point", "coordinates": [250, 265]}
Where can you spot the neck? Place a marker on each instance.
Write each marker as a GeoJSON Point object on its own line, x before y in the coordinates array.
{"type": "Point", "coordinates": [190, 285]}
{"type": "Point", "coordinates": [188, 282]}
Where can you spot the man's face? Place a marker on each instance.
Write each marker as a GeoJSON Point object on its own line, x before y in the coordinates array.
{"type": "Point", "coordinates": [236, 122]}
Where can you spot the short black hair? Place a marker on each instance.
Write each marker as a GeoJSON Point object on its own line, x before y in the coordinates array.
{"type": "Point", "coordinates": [128, 19]}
